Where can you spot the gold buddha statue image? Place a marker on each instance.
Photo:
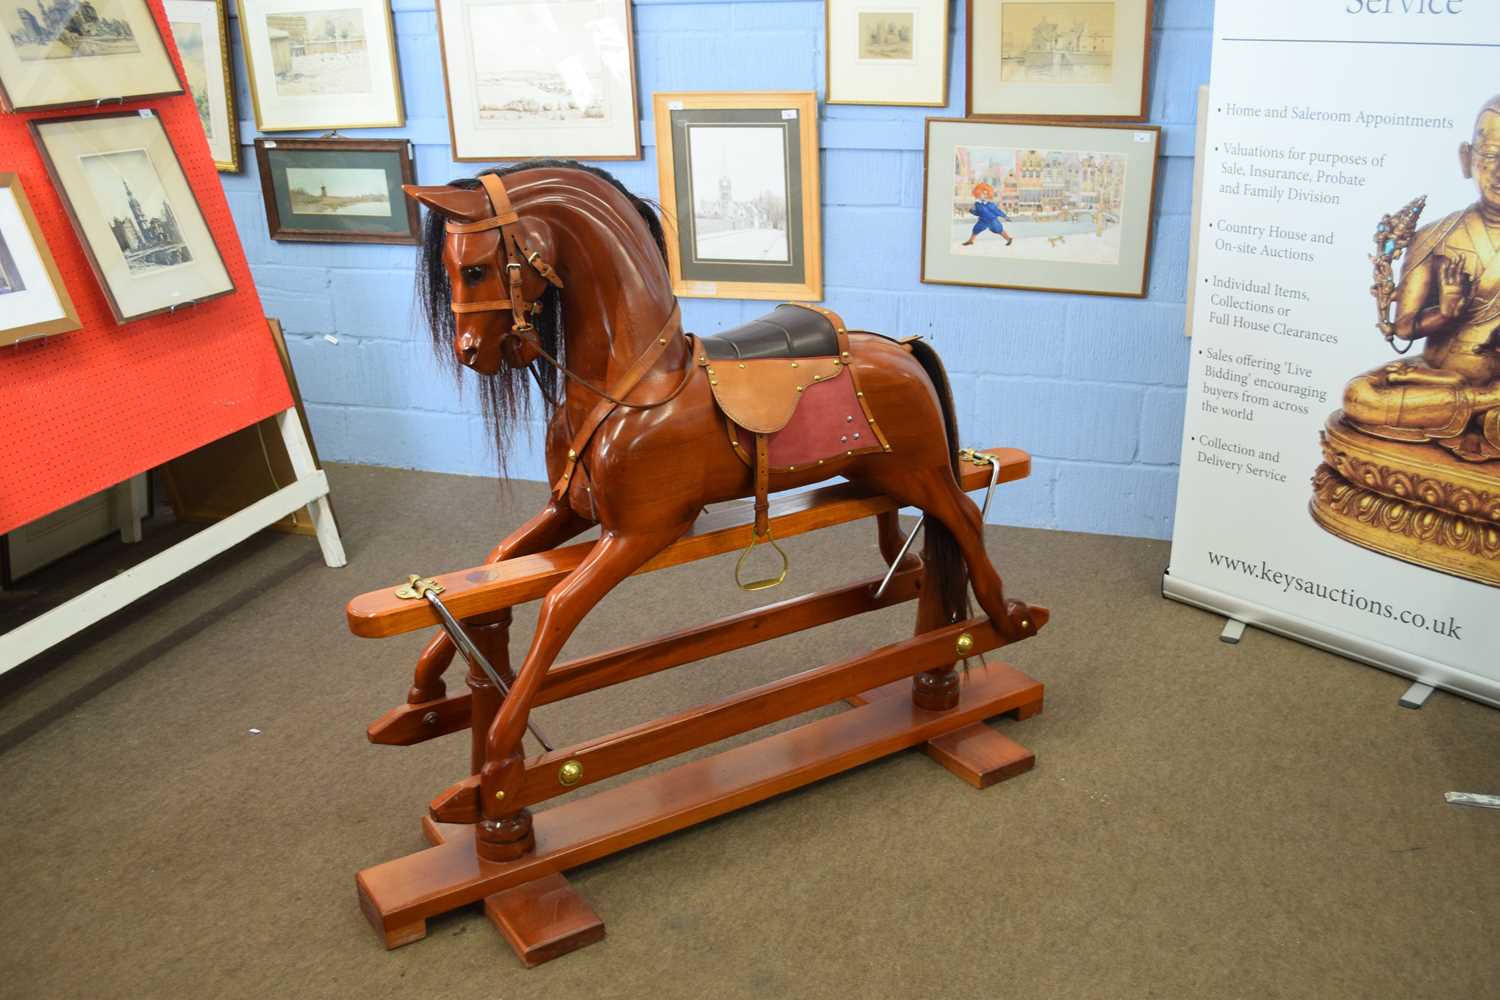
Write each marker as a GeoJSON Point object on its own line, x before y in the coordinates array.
{"type": "Point", "coordinates": [1411, 463]}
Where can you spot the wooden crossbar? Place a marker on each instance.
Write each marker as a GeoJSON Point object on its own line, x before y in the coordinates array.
{"type": "Point", "coordinates": [669, 736]}
{"type": "Point", "coordinates": [409, 724]}
{"type": "Point", "coordinates": [505, 584]}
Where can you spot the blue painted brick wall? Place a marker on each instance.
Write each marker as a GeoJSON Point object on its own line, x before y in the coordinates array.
{"type": "Point", "coordinates": [1092, 387]}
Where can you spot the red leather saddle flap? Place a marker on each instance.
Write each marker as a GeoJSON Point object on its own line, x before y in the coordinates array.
{"type": "Point", "coordinates": [829, 421]}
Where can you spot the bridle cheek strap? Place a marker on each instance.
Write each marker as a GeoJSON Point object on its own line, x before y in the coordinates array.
{"type": "Point", "coordinates": [517, 254]}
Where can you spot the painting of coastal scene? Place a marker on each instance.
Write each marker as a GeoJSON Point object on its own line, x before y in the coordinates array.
{"type": "Point", "coordinates": [319, 53]}
{"type": "Point", "coordinates": [68, 29]}
{"type": "Point", "coordinates": [552, 78]}
{"type": "Point", "coordinates": [338, 191]}
{"type": "Point", "coordinates": [129, 193]}
{"type": "Point", "coordinates": [1063, 43]}
{"type": "Point", "coordinates": [1062, 206]}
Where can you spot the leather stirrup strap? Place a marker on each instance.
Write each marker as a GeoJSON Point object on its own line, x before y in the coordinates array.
{"type": "Point", "coordinates": [762, 485]}
{"type": "Point", "coordinates": [620, 390]}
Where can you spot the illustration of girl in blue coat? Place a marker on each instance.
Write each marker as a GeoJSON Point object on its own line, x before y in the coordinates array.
{"type": "Point", "coordinates": [989, 214]}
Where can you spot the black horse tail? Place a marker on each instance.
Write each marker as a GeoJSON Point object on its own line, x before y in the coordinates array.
{"type": "Point", "coordinates": [943, 559]}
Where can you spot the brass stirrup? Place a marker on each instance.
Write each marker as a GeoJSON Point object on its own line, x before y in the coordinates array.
{"type": "Point", "coordinates": [768, 582]}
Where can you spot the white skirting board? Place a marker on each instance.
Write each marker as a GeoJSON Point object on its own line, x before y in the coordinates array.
{"type": "Point", "coordinates": [1418, 668]}
{"type": "Point", "coordinates": [310, 489]}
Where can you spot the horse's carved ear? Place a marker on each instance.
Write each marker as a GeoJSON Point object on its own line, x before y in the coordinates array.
{"type": "Point", "coordinates": [461, 204]}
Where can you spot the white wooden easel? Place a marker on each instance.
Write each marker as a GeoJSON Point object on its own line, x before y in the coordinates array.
{"type": "Point", "coordinates": [309, 489]}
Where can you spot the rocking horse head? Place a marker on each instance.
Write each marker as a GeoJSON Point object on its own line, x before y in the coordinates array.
{"type": "Point", "coordinates": [486, 273]}
{"type": "Point", "coordinates": [501, 253]}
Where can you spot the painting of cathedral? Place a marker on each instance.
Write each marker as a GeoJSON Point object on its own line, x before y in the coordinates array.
{"type": "Point", "coordinates": [124, 184]}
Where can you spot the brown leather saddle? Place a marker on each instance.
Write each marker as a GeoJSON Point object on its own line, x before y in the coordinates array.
{"type": "Point", "coordinates": [790, 396]}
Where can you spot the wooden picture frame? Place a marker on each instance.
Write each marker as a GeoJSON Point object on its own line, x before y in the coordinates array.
{"type": "Point", "coordinates": [207, 64]}
{"type": "Point", "coordinates": [731, 249]}
{"type": "Point", "coordinates": [50, 59]}
{"type": "Point", "coordinates": [528, 132]}
{"type": "Point", "coordinates": [1064, 79]}
{"type": "Point", "coordinates": [347, 162]}
{"type": "Point", "coordinates": [296, 89]}
{"type": "Point", "coordinates": [149, 245]}
{"type": "Point", "coordinates": [41, 305]}
{"type": "Point", "coordinates": [1078, 199]}
{"type": "Point", "coordinates": [858, 72]}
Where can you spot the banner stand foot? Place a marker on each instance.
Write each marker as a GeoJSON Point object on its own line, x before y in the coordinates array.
{"type": "Point", "coordinates": [1416, 696]}
{"type": "Point", "coordinates": [1233, 630]}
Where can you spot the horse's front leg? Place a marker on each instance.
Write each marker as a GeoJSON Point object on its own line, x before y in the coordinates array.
{"type": "Point", "coordinates": [547, 529]}
{"type": "Point", "coordinates": [505, 832]}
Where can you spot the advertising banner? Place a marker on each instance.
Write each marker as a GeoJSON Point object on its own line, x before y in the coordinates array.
{"type": "Point", "coordinates": [1340, 477]}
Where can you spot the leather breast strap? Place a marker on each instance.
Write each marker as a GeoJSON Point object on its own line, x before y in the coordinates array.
{"type": "Point", "coordinates": [627, 383]}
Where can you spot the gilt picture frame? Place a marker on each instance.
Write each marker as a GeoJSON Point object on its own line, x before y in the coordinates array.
{"type": "Point", "coordinates": [891, 53]}
{"type": "Point", "coordinates": [738, 174]}
{"type": "Point", "coordinates": [34, 302]}
{"type": "Point", "coordinates": [1039, 206]}
{"type": "Point", "coordinates": [1082, 60]}
{"type": "Point", "coordinates": [54, 56]}
{"type": "Point", "coordinates": [321, 64]}
{"type": "Point", "coordinates": [201, 30]}
{"type": "Point", "coordinates": [133, 210]}
{"type": "Point", "coordinates": [338, 190]}
{"type": "Point", "coordinates": [568, 91]}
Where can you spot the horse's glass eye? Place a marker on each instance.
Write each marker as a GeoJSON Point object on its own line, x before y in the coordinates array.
{"type": "Point", "coordinates": [473, 274]}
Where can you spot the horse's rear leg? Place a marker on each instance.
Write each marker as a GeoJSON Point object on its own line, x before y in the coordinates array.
{"type": "Point", "coordinates": [505, 832]}
{"type": "Point", "coordinates": [935, 490]}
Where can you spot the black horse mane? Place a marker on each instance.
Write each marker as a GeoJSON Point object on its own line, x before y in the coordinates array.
{"type": "Point", "coordinates": [505, 396]}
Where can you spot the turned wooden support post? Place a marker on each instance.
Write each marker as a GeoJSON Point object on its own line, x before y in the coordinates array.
{"type": "Point", "coordinates": [503, 833]}
{"type": "Point", "coordinates": [934, 689]}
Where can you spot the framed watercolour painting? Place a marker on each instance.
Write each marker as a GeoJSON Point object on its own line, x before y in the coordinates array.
{"type": "Point", "coordinates": [33, 301]}
{"type": "Point", "coordinates": [321, 64]}
{"type": "Point", "coordinates": [137, 218]}
{"type": "Point", "coordinates": [887, 52]}
{"type": "Point", "coordinates": [1047, 207]}
{"type": "Point", "coordinates": [338, 190]}
{"type": "Point", "coordinates": [68, 53]}
{"type": "Point", "coordinates": [540, 78]}
{"type": "Point", "coordinates": [1081, 59]}
{"type": "Point", "coordinates": [201, 30]}
{"type": "Point", "coordinates": [739, 181]}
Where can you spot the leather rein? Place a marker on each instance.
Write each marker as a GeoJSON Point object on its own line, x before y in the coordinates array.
{"type": "Point", "coordinates": [518, 255]}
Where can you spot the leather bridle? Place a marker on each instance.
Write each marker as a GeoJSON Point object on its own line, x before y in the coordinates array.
{"type": "Point", "coordinates": [518, 255]}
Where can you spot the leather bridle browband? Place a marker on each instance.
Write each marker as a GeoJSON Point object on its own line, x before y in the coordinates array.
{"type": "Point", "coordinates": [519, 255]}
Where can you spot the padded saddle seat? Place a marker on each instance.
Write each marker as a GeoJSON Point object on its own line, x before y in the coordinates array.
{"type": "Point", "coordinates": [788, 331]}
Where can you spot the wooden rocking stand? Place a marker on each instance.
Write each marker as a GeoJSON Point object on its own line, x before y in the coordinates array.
{"type": "Point", "coordinates": [527, 897]}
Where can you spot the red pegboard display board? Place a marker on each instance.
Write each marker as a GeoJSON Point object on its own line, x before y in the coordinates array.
{"type": "Point", "coordinates": [82, 411]}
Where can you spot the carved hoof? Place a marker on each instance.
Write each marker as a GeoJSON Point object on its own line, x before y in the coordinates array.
{"type": "Point", "coordinates": [418, 695]}
{"type": "Point", "coordinates": [505, 839]}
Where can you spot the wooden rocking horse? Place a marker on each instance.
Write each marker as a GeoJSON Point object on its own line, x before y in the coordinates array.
{"type": "Point", "coordinates": [553, 271]}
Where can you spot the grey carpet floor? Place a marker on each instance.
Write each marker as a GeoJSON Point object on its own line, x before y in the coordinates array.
{"type": "Point", "coordinates": [1204, 820]}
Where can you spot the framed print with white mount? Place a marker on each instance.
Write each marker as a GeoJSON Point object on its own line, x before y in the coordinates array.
{"type": "Point", "coordinates": [338, 190]}
{"type": "Point", "coordinates": [33, 300]}
{"type": "Point", "coordinates": [133, 210]}
{"type": "Point", "coordinates": [321, 64]}
{"type": "Point", "coordinates": [1047, 207]}
{"type": "Point", "coordinates": [891, 52]}
{"type": "Point", "coordinates": [540, 78]}
{"type": "Point", "coordinates": [739, 183]}
{"type": "Point", "coordinates": [1079, 59]}
{"type": "Point", "coordinates": [201, 30]}
{"type": "Point", "coordinates": [71, 53]}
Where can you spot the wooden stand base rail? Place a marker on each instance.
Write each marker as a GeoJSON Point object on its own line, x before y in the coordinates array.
{"type": "Point", "coordinates": [528, 898]}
